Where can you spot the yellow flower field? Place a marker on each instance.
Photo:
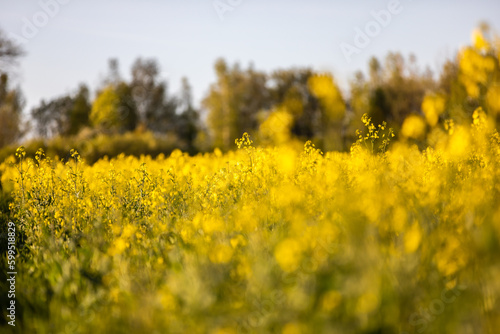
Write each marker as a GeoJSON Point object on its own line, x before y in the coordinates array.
{"type": "Point", "coordinates": [264, 239]}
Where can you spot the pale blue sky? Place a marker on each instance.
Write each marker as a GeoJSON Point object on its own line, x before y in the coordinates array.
{"type": "Point", "coordinates": [187, 36]}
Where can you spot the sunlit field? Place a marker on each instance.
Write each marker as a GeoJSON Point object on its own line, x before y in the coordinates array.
{"type": "Point", "coordinates": [264, 240]}
{"type": "Point", "coordinates": [240, 167]}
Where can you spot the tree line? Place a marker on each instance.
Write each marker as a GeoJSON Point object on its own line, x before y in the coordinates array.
{"type": "Point", "coordinates": [276, 107]}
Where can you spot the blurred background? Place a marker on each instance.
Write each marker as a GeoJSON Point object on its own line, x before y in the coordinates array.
{"type": "Point", "coordinates": [150, 76]}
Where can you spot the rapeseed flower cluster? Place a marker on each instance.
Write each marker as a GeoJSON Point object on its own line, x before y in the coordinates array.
{"type": "Point", "coordinates": [265, 240]}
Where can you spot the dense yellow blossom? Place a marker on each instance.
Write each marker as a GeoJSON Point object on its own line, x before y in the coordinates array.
{"type": "Point", "coordinates": [324, 88]}
{"type": "Point", "coordinates": [433, 106]}
{"type": "Point", "coordinates": [414, 127]}
{"type": "Point", "coordinates": [265, 240]}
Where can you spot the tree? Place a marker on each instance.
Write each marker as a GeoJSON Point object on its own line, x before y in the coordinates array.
{"type": "Point", "coordinates": [113, 76]}
{"type": "Point", "coordinates": [11, 104]}
{"type": "Point", "coordinates": [155, 109]}
{"type": "Point", "coordinates": [379, 108]}
{"type": "Point", "coordinates": [65, 115]}
{"type": "Point", "coordinates": [290, 89]}
{"type": "Point", "coordinates": [375, 71]}
{"type": "Point", "coordinates": [254, 97]}
{"type": "Point", "coordinates": [332, 106]}
{"type": "Point", "coordinates": [9, 52]}
{"type": "Point", "coordinates": [52, 117]}
{"type": "Point", "coordinates": [357, 106]}
{"type": "Point", "coordinates": [113, 109]}
{"type": "Point", "coordinates": [233, 102]}
{"type": "Point", "coordinates": [127, 109]}
{"type": "Point", "coordinates": [187, 124]}
{"type": "Point", "coordinates": [394, 90]}
{"type": "Point", "coordinates": [11, 100]}
{"type": "Point", "coordinates": [79, 114]}
{"type": "Point", "coordinates": [458, 106]}
{"type": "Point", "coordinates": [221, 105]}
{"type": "Point", "coordinates": [105, 110]}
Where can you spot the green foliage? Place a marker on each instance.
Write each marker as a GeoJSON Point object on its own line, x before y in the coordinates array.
{"type": "Point", "coordinates": [65, 115]}
{"type": "Point", "coordinates": [99, 146]}
{"type": "Point", "coordinates": [114, 110]}
{"type": "Point", "coordinates": [11, 104]}
{"type": "Point", "coordinates": [105, 111]}
{"type": "Point", "coordinates": [233, 102]}
{"type": "Point", "coordinates": [12, 127]}
{"type": "Point", "coordinates": [79, 114]}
